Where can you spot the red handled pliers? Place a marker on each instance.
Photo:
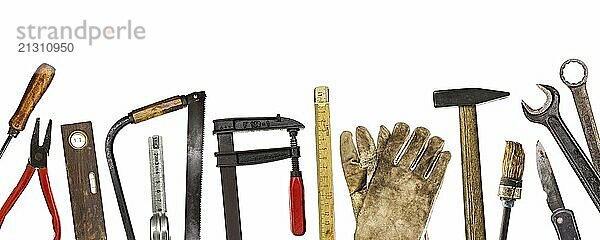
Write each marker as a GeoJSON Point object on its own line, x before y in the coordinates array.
{"type": "Point", "coordinates": [37, 161]}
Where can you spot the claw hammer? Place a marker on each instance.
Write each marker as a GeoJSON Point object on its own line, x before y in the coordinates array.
{"type": "Point", "coordinates": [466, 99]}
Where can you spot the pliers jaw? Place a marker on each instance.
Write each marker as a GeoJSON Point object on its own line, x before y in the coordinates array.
{"type": "Point", "coordinates": [39, 154]}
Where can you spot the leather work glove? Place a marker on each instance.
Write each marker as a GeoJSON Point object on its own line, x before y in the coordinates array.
{"type": "Point", "coordinates": [393, 184]}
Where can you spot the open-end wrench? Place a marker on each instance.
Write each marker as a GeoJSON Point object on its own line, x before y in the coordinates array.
{"type": "Point", "coordinates": [584, 109]}
{"type": "Point", "coordinates": [549, 116]}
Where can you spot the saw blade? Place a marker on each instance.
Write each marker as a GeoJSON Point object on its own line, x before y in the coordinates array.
{"type": "Point", "coordinates": [324, 164]}
{"type": "Point", "coordinates": [548, 180]}
{"type": "Point", "coordinates": [195, 145]}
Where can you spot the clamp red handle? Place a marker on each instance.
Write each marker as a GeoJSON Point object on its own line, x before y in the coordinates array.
{"type": "Point", "coordinates": [297, 217]}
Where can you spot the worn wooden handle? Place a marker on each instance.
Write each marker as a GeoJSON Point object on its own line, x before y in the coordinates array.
{"type": "Point", "coordinates": [84, 181]}
{"type": "Point", "coordinates": [471, 172]}
{"type": "Point", "coordinates": [38, 84]}
{"type": "Point", "coordinates": [158, 109]}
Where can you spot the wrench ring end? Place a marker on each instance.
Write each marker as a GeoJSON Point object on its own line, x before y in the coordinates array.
{"type": "Point", "coordinates": [583, 79]}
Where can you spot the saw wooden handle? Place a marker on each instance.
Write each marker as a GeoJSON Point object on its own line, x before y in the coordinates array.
{"type": "Point", "coordinates": [471, 174]}
{"type": "Point", "coordinates": [38, 85]}
{"type": "Point", "coordinates": [157, 109]}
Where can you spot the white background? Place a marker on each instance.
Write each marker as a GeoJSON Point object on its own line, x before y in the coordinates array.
{"type": "Point", "coordinates": [381, 59]}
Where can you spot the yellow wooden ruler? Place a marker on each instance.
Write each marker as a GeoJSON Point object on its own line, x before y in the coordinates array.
{"type": "Point", "coordinates": [324, 165]}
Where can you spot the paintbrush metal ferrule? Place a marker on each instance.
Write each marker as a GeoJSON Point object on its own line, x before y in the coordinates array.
{"type": "Point", "coordinates": [513, 164]}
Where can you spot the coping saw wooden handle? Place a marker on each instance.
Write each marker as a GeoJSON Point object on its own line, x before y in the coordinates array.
{"type": "Point", "coordinates": [38, 85]}
{"type": "Point", "coordinates": [157, 109]}
{"type": "Point", "coordinates": [297, 217]}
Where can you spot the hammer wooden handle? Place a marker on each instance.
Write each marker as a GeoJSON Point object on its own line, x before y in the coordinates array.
{"type": "Point", "coordinates": [471, 173]}
{"type": "Point", "coordinates": [157, 109]}
{"type": "Point", "coordinates": [38, 84]}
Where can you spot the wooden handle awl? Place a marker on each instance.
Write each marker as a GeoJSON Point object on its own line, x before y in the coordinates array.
{"type": "Point", "coordinates": [38, 85]}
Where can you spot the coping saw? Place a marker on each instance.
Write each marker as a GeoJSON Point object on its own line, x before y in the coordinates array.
{"type": "Point", "coordinates": [142, 114]}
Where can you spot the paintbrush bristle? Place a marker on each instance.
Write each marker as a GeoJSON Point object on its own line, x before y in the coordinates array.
{"type": "Point", "coordinates": [514, 161]}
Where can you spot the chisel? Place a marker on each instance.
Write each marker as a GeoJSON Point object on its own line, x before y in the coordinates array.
{"type": "Point", "coordinates": [38, 84]}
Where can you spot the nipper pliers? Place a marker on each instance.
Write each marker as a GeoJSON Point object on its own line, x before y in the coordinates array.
{"type": "Point", "coordinates": [37, 161]}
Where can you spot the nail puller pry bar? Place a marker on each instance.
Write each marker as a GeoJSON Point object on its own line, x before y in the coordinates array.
{"type": "Point", "coordinates": [37, 161]}
{"type": "Point", "coordinates": [228, 159]}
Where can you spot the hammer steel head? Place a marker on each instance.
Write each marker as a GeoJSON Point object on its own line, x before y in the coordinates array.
{"type": "Point", "coordinates": [465, 97]}
{"type": "Point", "coordinates": [550, 107]}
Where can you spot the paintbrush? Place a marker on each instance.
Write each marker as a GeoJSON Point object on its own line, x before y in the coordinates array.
{"type": "Point", "coordinates": [511, 182]}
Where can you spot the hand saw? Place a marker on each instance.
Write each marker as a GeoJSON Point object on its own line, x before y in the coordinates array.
{"type": "Point", "coordinates": [324, 164]}
{"type": "Point", "coordinates": [137, 116]}
{"type": "Point", "coordinates": [228, 159]}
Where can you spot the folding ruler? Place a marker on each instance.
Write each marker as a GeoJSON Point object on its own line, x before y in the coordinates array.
{"type": "Point", "coordinates": [324, 165]}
